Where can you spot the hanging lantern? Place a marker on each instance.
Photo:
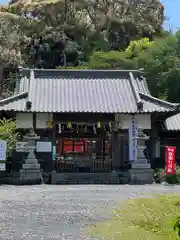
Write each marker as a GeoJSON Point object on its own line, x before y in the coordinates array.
{"type": "Point", "coordinates": [98, 124]}
{"type": "Point", "coordinates": [49, 124]}
{"type": "Point", "coordinates": [69, 125]}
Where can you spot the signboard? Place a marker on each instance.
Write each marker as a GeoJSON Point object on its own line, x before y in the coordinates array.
{"type": "Point", "coordinates": [3, 149]}
{"type": "Point", "coordinates": [44, 147]}
{"type": "Point", "coordinates": [170, 160]}
{"type": "Point", "coordinates": [132, 139]}
{"type": "Point", "coordinates": [2, 166]}
{"type": "Point", "coordinates": [21, 146]}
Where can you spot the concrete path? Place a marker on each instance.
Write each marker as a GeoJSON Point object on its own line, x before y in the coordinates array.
{"type": "Point", "coordinates": [61, 212]}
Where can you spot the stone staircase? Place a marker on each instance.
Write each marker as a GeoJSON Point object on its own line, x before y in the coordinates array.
{"type": "Point", "coordinates": [69, 178]}
{"type": "Point", "coordinates": [89, 178]}
{"type": "Point", "coordinates": [14, 179]}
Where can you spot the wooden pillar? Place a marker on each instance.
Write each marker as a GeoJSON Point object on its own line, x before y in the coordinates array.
{"type": "Point", "coordinates": [54, 144]}
{"type": "Point", "coordinates": [34, 122]}
{"type": "Point", "coordinates": [152, 150]}
{"type": "Point", "coordinates": [116, 151]}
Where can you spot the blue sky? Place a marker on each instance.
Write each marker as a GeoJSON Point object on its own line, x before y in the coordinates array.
{"type": "Point", "coordinates": [171, 10]}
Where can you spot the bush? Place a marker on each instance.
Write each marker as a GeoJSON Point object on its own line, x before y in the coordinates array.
{"type": "Point", "coordinates": [176, 226]}
{"type": "Point", "coordinates": [178, 173]}
{"type": "Point", "coordinates": [160, 176]}
{"type": "Point", "coordinates": [171, 179]}
{"type": "Point", "coordinates": [8, 132]}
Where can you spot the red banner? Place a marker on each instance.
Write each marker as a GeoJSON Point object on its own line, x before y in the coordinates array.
{"type": "Point", "coordinates": [170, 160]}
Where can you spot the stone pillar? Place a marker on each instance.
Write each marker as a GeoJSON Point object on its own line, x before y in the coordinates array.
{"type": "Point", "coordinates": [141, 171]}
{"type": "Point", "coordinates": [154, 139]}
{"type": "Point", "coordinates": [30, 171]}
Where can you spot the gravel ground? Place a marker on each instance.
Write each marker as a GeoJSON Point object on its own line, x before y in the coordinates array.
{"type": "Point", "coordinates": [58, 212]}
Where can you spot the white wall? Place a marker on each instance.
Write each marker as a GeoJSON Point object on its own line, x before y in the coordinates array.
{"type": "Point", "coordinates": [143, 121]}
{"type": "Point", "coordinates": [25, 120]}
{"type": "Point", "coordinates": [42, 119]}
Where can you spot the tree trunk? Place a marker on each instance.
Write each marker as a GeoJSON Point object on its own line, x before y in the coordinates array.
{"type": "Point", "coordinates": [1, 80]}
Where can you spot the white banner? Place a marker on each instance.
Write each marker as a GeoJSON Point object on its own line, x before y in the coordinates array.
{"type": "Point", "coordinates": [2, 167]}
{"type": "Point", "coordinates": [132, 140]}
{"type": "Point", "coordinates": [44, 146]}
{"type": "Point", "coordinates": [3, 149]}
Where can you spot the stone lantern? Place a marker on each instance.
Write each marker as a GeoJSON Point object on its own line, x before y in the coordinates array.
{"type": "Point", "coordinates": [31, 168]}
{"type": "Point", "coordinates": [141, 171]}
{"type": "Point", "coordinates": [142, 160]}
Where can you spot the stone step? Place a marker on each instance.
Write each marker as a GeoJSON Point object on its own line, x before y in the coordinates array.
{"type": "Point", "coordinates": [141, 166]}
{"type": "Point", "coordinates": [89, 178]}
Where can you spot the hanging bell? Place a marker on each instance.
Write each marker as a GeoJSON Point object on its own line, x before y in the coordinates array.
{"type": "Point", "coordinates": [69, 125]}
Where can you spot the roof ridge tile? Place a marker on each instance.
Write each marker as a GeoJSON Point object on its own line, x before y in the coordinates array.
{"type": "Point", "coordinates": [135, 92]}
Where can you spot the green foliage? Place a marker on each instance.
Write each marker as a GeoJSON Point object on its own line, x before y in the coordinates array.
{"type": "Point", "coordinates": [176, 226]}
{"type": "Point", "coordinates": [138, 46]}
{"type": "Point", "coordinates": [77, 28]}
{"type": "Point", "coordinates": [110, 60]}
{"type": "Point", "coordinates": [8, 132]}
{"type": "Point", "coordinates": [158, 58]}
{"type": "Point", "coordinates": [99, 34]}
{"type": "Point", "coordinates": [178, 173]}
{"type": "Point", "coordinates": [160, 176]}
{"type": "Point", "coordinates": [11, 39]}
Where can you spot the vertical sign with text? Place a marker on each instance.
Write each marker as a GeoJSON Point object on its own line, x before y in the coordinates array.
{"type": "Point", "coordinates": [170, 160]}
{"type": "Point", "coordinates": [132, 139]}
{"type": "Point", "coordinates": [3, 150]}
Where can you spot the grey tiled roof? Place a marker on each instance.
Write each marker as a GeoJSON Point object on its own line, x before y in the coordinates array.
{"type": "Point", "coordinates": [82, 95]}
{"type": "Point", "coordinates": [17, 105]}
{"type": "Point", "coordinates": [156, 105]}
{"type": "Point", "coordinates": [14, 103]}
{"type": "Point", "coordinates": [95, 91]}
{"type": "Point", "coordinates": [173, 123]}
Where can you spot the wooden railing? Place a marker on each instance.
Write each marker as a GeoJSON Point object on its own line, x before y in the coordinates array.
{"type": "Point", "coordinates": [102, 166]}
{"type": "Point", "coordinates": [65, 166]}
{"type": "Point", "coordinates": [93, 166]}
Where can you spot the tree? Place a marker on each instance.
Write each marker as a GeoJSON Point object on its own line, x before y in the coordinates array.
{"type": "Point", "coordinates": [86, 26]}
{"type": "Point", "coordinates": [8, 132]}
{"type": "Point", "coordinates": [159, 59]}
{"type": "Point", "coordinates": [11, 41]}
